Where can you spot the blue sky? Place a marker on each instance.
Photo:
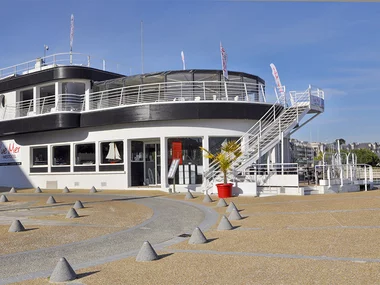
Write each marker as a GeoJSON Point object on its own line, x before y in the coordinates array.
{"type": "Point", "coordinates": [335, 46]}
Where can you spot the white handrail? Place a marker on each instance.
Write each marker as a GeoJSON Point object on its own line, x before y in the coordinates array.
{"type": "Point", "coordinates": [261, 136]}
{"type": "Point", "coordinates": [186, 91]}
{"type": "Point", "coordinates": [58, 59]}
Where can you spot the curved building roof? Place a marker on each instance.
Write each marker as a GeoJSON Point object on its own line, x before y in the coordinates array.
{"type": "Point", "coordinates": [177, 76]}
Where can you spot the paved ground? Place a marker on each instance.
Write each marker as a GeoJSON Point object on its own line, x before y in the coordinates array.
{"type": "Point", "coordinates": [169, 220]}
{"type": "Point", "coordinates": [319, 239]}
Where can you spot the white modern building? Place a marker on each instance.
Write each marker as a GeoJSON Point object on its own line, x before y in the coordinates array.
{"type": "Point", "coordinates": [66, 123]}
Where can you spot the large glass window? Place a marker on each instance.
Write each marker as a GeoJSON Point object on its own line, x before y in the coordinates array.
{"type": "Point", "coordinates": [61, 155]}
{"type": "Point", "coordinates": [47, 99]}
{"type": "Point", "coordinates": [46, 91]}
{"type": "Point", "coordinates": [25, 105]}
{"type": "Point", "coordinates": [188, 152]}
{"type": "Point", "coordinates": [215, 143]}
{"type": "Point", "coordinates": [39, 156]}
{"type": "Point", "coordinates": [73, 88]}
{"type": "Point", "coordinates": [85, 154]}
{"type": "Point", "coordinates": [112, 152]}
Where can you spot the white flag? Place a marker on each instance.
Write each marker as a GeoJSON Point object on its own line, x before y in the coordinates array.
{"type": "Point", "coordinates": [277, 78]}
{"type": "Point", "coordinates": [223, 55]}
{"type": "Point", "coordinates": [72, 32]}
{"type": "Point", "coordinates": [183, 60]}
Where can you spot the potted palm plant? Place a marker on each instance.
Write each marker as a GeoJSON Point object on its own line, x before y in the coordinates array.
{"type": "Point", "coordinates": [229, 152]}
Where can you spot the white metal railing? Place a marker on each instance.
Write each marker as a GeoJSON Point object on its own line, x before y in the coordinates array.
{"type": "Point", "coordinates": [342, 172]}
{"type": "Point", "coordinates": [177, 92]}
{"type": "Point", "coordinates": [58, 59]}
{"type": "Point", "coordinates": [315, 98]}
{"type": "Point", "coordinates": [266, 133]}
{"type": "Point", "coordinates": [273, 168]}
{"type": "Point", "coordinates": [48, 104]}
{"type": "Point", "coordinates": [186, 91]}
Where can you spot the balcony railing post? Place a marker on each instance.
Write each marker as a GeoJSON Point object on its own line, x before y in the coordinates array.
{"type": "Point", "coordinates": [88, 61]}
{"type": "Point", "coordinates": [159, 92]}
{"type": "Point", "coordinates": [121, 96]}
{"type": "Point", "coordinates": [43, 105]}
{"type": "Point", "coordinates": [204, 90]}
{"type": "Point", "coordinates": [246, 92]}
{"type": "Point", "coordinates": [225, 89]}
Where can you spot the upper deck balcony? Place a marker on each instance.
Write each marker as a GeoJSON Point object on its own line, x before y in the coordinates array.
{"type": "Point", "coordinates": [55, 60]}
{"type": "Point", "coordinates": [155, 93]}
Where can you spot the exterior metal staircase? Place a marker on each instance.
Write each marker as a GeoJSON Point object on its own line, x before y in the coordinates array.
{"type": "Point", "coordinates": [281, 119]}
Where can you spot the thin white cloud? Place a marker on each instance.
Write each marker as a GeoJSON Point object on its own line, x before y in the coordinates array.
{"type": "Point", "coordinates": [333, 92]}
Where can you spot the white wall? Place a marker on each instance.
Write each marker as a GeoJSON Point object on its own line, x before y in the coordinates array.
{"type": "Point", "coordinates": [9, 175]}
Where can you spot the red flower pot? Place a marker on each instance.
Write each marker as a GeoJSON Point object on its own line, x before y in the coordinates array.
{"type": "Point", "coordinates": [224, 190]}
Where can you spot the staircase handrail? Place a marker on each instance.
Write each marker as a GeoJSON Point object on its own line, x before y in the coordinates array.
{"type": "Point", "coordinates": [261, 126]}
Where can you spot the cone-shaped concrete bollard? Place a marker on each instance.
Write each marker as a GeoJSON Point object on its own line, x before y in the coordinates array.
{"type": "Point", "coordinates": [13, 190]}
{"type": "Point", "coordinates": [146, 253]}
{"type": "Point", "coordinates": [93, 190]}
{"type": "Point", "coordinates": [3, 198]}
{"type": "Point", "coordinates": [235, 215]}
{"type": "Point", "coordinates": [224, 224]}
{"type": "Point", "coordinates": [38, 190]}
{"type": "Point", "coordinates": [221, 203]}
{"type": "Point", "coordinates": [72, 214]}
{"type": "Point", "coordinates": [231, 206]}
{"type": "Point", "coordinates": [189, 195]}
{"type": "Point", "coordinates": [78, 205]}
{"type": "Point", "coordinates": [51, 200]}
{"type": "Point", "coordinates": [16, 227]}
{"type": "Point", "coordinates": [207, 199]}
{"type": "Point", "coordinates": [66, 190]}
{"type": "Point", "coordinates": [63, 272]}
{"type": "Point", "coordinates": [197, 237]}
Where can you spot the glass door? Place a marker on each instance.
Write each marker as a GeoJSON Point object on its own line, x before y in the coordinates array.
{"type": "Point", "coordinates": [152, 164]}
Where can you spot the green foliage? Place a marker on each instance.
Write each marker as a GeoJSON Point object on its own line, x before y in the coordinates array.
{"type": "Point", "coordinates": [366, 156]}
{"type": "Point", "coordinates": [228, 154]}
{"type": "Point", "coordinates": [319, 157]}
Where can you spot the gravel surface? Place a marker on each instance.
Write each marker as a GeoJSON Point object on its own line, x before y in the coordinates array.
{"type": "Point", "coordinates": [318, 239]}
{"type": "Point", "coordinates": [48, 226]}
{"type": "Point", "coordinates": [193, 268]}
{"type": "Point", "coordinates": [170, 219]}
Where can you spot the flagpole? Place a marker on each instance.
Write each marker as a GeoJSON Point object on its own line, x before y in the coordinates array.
{"type": "Point", "coordinates": [71, 38]}
{"type": "Point", "coordinates": [142, 49]}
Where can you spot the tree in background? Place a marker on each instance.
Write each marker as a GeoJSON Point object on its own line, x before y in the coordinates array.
{"type": "Point", "coordinates": [341, 141]}
{"type": "Point", "coordinates": [366, 156]}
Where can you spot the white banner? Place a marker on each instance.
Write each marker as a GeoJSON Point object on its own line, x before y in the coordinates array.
{"type": "Point", "coordinates": [223, 55]}
{"type": "Point", "coordinates": [72, 32]}
{"type": "Point", "coordinates": [277, 79]}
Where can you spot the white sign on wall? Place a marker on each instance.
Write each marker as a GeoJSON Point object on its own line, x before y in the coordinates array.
{"type": "Point", "coordinates": [10, 153]}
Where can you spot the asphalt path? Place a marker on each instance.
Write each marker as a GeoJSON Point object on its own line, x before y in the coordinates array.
{"type": "Point", "coordinates": [171, 219]}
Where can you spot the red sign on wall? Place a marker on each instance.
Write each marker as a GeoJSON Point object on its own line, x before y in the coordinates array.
{"type": "Point", "coordinates": [177, 151]}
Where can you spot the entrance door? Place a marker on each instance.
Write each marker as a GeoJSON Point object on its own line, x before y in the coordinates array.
{"type": "Point", "coordinates": [152, 163]}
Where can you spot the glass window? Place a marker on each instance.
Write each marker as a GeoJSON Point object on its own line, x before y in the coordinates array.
{"type": "Point", "coordinates": [215, 143]}
{"type": "Point", "coordinates": [112, 152]}
{"type": "Point", "coordinates": [187, 150]}
{"type": "Point", "coordinates": [46, 91]}
{"type": "Point", "coordinates": [61, 155]}
{"type": "Point", "coordinates": [39, 156]}
{"type": "Point", "coordinates": [85, 154]}
{"type": "Point", "coordinates": [73, 88]}
{"type": "Point", "coordinates": [26, 95]}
